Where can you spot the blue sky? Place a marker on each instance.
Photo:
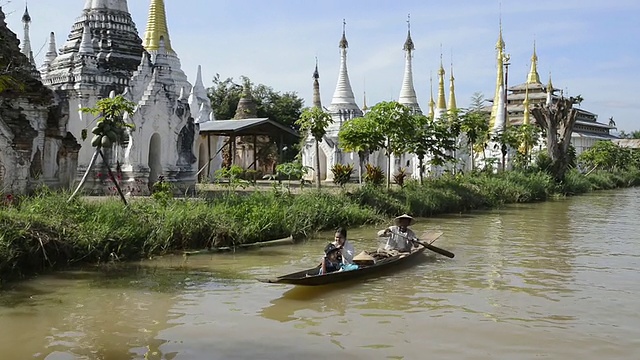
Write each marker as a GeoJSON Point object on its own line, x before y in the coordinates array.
{"type": "Point", "coordinates": [589, 46]}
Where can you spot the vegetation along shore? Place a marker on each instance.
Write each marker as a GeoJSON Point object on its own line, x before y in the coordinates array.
{"type": "Point", "coordinates": [44, 231]}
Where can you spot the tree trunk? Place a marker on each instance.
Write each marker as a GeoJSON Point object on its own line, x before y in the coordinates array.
{"type": "Point", "coordinates": [86, 174]}
{"type": "Point", "coordinates": [471, 155]}
{"type": "Point", "coordinates": [557, 121]}
{"type": "Point", "coordinates": [388, 164]}
{"type": "Point", "coordinates": [317, 164]}
{"type": "Point", "coordinates": [115, 181]}
{"type": "Point", "coordinates": [421, 168]}
{"type": "Point", "coordinates": [361, 158]}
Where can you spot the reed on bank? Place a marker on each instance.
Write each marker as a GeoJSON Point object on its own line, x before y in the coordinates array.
{"type": "Point", "coordinates": [44, 231]}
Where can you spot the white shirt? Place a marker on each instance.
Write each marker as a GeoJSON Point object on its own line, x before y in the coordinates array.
{"type": "Point", "coordinates": [347, 252]}
{"type": "Point", "coordinates": [398, 240]}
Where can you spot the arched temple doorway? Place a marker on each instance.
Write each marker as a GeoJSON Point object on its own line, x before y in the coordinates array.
{"type": "Point", "coordinates": [155, 156]}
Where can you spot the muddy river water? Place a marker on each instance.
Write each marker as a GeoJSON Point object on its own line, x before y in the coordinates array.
{"type": "Point", "coordinates": [556, 280]}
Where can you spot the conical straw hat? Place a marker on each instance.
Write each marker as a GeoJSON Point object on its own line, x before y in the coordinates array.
{"type": "Point", "coordinates": [363, 256]}
{"type": "Point", "coordinates": [405, 216]}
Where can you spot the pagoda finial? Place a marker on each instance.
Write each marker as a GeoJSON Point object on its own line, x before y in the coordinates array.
{"type": "Point", "coordinates": [533, 77]}
{"type": "Point", "coordinates": [452, 92]}
{"type": "Point", "coordinates": [343, 42]}
{"type": "Point", "coordinates": [317, 101]}
{"type": "Point", "coordinates": [408, 44]}
{"type": "Point", "coordinates": [157, 27]}
{"type": "Point", "coordinates": [26, 18]}
{"type": "Point", "coordinates": [316, 74]}
{"type": "Point", "coordinates": [364, 101]}
{"type": "Point", "coordinates": [432, 103]}
{"type": "Point", "coordinates": [442, 103]}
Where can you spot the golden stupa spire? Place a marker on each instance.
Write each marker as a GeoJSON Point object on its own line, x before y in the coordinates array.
{"type": "Point", "coordinates": [157, 27]}
{"type": "Point", "coordinates": [499, 77]}
{"type": "Point", "coordinates": [452, 92]}
{"type": "Point", "coordinates": [533, 77]}
{"type": "Point", "coordinates": [442, 103]}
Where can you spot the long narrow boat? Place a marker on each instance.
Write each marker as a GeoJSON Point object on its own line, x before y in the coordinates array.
{"type": "Point", "coordinates": [310, 277]}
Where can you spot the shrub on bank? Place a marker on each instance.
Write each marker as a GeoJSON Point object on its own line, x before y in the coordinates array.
{"type": "Point", "coordinates": [44, 230]}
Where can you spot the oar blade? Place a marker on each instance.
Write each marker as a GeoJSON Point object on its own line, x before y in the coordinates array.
{"type": "Point", "coordinates": [427, 238]}
{"type": "Point", "coordinates": [430, 236]}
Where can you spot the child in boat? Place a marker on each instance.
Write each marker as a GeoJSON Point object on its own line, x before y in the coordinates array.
{"type": "Point", "coordinates": [332, 261]}
{"type": "Point", "coordinates": [346, 248]}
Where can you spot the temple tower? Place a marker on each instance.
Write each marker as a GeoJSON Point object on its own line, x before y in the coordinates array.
{"type": "Point", "coordinates": [497, 121]}
{"type": "Point", "coordinates": [157, 30]}
{"type": "Point", "coordinates": [118, 52]}
{"type": "Point", "coordinates": [407, 92]}
{"type": "Point", "coordinates": [343, 105]}
{"type": "Point", "coordinates": [26, 40]}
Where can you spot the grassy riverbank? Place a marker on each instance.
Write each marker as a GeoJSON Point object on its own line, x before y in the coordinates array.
{"type": "Point", "coordinates": [44, 231]}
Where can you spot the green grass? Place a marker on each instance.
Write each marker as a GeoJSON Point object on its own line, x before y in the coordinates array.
{"type": "Point", "coordinates": [44, 231]}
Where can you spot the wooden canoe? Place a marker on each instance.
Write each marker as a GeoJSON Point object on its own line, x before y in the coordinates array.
{"type": "Point", "coordinates": [310, 277]}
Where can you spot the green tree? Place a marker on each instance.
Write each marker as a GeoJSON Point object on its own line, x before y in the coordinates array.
{"type": "Point", "coordinates": [605, 155]}
{"type": "Point", "coordinates": [557, 121]}
{"type": "Point", "coordinates": [110, 129]}
{"type": "Point", "coordinates": [397, 124]}
{"type": "Point", "coordinates": [526, 136]}
{"type": "Point", "coordinates": [475, 126]}
{"type": "Point", "coordinates": [363, 136]}
{"type": "Point", "coordinates": [314, 121]}
{"type": "Point", "coordinates": [436, 138]}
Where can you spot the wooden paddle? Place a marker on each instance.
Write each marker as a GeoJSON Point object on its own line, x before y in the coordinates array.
{"type": "Point", "coordinates": [430, 237]}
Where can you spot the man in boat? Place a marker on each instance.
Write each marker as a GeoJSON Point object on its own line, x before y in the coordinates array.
{"type": "Point", "coordinates": [399, 236]}
{"type": "Point", "coordinates": [346, 248]}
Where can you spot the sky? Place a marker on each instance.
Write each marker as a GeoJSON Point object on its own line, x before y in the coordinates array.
{"type": "Point", "coordinates": [590, 47]}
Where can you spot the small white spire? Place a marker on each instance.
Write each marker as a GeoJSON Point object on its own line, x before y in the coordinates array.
{"type": "Point", "coordinates": [86, 46]}
{"type": "Point", "coordinates": [199, 82]}
{"type": "Point", "coordinates": [52, 52]}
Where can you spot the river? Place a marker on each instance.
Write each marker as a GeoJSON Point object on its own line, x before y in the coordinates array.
{"type": "Point", "coordinates": [555, 280]}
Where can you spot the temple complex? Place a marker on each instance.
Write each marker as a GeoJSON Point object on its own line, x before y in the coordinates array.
{"type": "Point", "coordinates": [343, 108]}
{"type": "Point", "coordinates": [104, 56]}
{"type": "Point", "coordinates": [522, 97]}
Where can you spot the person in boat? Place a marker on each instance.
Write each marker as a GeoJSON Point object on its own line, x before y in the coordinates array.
{"type": "Point", "coordinates": [399, 237]}
{"type": "Point", "coordinates": [333, 261]}
{"type": "Point", "coordinates": [346, 248]}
